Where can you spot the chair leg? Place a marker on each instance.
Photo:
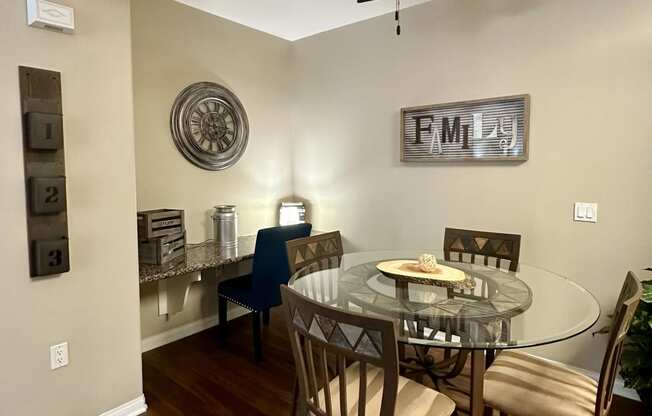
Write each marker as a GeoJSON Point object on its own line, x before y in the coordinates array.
{"type": "Point", "coordinates": [295, 397]}
{"type": "Point", "coordinates": [401, 356]}
{"type": "Point", "coordinates": [266, 317]}
{"type": "Point", "coordinates": [222, 304]}
{"type": "Point", "coordinates": [258, 347]}
{"type": "Point", "coordinates": [302, 409]}
{"type": "Point", "coordinates": [491, 356]}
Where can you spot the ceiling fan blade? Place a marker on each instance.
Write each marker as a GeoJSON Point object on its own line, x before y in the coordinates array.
{"type": "Point", "coordinates": [363, 1]}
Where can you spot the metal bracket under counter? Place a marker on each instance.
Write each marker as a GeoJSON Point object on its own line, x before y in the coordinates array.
{"type": "Point", "coordinates": [173, 293]}
{"type": "Point", "coordinates": [174, 280]}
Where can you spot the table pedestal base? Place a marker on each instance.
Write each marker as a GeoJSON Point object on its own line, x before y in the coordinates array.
{"type": "Point", "coordinates": [463, 383]}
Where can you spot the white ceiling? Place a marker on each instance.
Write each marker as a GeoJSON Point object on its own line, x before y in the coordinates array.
{"type": "Point", "coordinates": [296, 19]}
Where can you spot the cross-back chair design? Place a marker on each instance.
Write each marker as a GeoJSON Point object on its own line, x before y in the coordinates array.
{"type": "Point", "coordinates": [484, 244]}
{"type": "Point", "coordinates": [320, 334]}
{"type": "Point", "coordinates": [555, 390]}
{"type": "Point", "coordinates": [318, 248]}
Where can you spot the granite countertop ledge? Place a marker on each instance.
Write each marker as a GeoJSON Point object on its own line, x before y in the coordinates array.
{"type": "Point", "coordinates": [198, 257]}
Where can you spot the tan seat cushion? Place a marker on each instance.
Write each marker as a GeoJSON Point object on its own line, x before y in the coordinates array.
{"type": "Point", "coordinates": [524, 385]}
{"type": "Point", "coordinates": [413, 398]}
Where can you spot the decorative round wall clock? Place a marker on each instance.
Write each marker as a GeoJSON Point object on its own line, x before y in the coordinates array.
{"type": "Point", "coordinates": [209, 126]}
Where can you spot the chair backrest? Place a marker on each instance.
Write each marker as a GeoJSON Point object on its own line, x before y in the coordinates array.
{"type": "Point", "coordinates": [318, 331]}
{"type": "Point", "coordinates": [482, 243]}
{"type": "Point", "coordinates": [314, 249]}
{"type": "Point", "coordinates": [628, 301]}
{"type": "Point", "coordinates": [270, 266]}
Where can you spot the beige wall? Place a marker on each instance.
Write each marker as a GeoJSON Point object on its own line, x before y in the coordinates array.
{"type": "Point", "coordinates": [95, 306]}
{"type": "Point", "coordinates": [174, 46]}
{"type": "Point", "coordinates": [587, 66]}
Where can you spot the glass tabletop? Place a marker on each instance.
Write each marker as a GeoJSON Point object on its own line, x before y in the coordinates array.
{"type": "Point", "coordinates": [493, 309]}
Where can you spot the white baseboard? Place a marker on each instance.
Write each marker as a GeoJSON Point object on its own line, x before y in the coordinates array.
{"type": "Point", "coordinates": [133, 408]}
{"type": "Point", "coordinates": [186, 330]}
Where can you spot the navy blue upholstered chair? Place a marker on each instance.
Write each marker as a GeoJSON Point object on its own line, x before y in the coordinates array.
{"type": "Point", "coordinates": [261, 291]}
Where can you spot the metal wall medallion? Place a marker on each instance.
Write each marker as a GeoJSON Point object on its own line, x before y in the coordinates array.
{"type": "Point", "coordinates": [209, 126]}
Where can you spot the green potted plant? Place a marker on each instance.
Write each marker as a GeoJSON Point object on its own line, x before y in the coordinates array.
{"type": "Point", "coordinates": [636, 360]}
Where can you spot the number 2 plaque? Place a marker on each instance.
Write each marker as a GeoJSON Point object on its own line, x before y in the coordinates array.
{"type": "Point", "coordinates": [45, 180]}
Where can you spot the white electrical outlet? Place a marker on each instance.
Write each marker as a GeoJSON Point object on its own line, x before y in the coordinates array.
{"type": "Point", "coordinates": [58, 356]}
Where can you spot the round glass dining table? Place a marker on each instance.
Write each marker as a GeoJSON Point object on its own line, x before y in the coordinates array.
{"type": "Point", "coordinates": [491, 309]}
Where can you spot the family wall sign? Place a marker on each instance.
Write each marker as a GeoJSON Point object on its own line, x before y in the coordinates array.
{"type": "Point", "coordinates": [483, 130]}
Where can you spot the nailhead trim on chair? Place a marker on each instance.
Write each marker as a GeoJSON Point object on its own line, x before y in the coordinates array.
{"type": "Point", "coordinates": [237, 303]}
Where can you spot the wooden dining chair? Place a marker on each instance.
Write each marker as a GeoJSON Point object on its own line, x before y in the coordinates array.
{"type": "Point", "coordinates": [315, 253]}
{"type": "Point", "coordinates": [520, 384]}
{"type": "Point", "coordinates": [370, 384]}
{"type": "Point", "coordinates": [487, 245]}
{"type": "Point", "coordinates": [468, 246]}
{"type": "Point", "coordinates": [318, 248]}
{"type": "Point", "coordinates": [493, 249]}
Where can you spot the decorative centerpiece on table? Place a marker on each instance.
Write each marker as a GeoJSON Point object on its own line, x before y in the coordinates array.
{"type": "Point", "coordinates": [426, 271]}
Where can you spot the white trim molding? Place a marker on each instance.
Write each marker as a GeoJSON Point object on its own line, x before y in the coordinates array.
{"type": "Point", "coordinates": [134, 407]}
{"type": "Point", "coordinates": [188, 329]}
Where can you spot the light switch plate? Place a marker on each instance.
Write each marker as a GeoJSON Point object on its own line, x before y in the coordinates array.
{"type": "Point", "coordinates": [585, 212]}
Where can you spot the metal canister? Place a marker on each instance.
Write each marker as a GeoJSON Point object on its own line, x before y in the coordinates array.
{"type": "Point", "coordinates": [225, 225]}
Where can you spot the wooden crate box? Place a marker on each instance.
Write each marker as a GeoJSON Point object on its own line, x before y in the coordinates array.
{"type": "Point", "coordinates": [160, 223]}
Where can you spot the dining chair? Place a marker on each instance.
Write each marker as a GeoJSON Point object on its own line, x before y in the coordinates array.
{"type": "Point", "coordinates": [488, 245]}
{"type": "Point", "coordinates": [466, 246]}
{"type": "Point", "coordinates": [259, 291]}
{"type": "Point", "coordinates": [370, 384]}
{"type": "Point", "coordinates": [314, 249]}
{"type": "Point", "coordinates": [469, 244]}
{"type": "Point", "coordinates": [520, 384]}
{"type": "Point", "coordinates": [311, 254]}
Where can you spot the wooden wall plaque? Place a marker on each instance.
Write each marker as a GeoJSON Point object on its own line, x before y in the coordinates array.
{"type": "Point", "coordinates": [45, 173]}
{"type": "Point", "coordinates": [494, 129]}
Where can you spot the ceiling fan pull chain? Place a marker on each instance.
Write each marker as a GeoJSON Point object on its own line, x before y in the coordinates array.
{"type": "Point", "coordinates": [398, 18]}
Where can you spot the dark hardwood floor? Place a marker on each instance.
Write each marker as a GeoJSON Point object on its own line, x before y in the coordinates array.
{"type": "Point", "coordinates": [196, 376]}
